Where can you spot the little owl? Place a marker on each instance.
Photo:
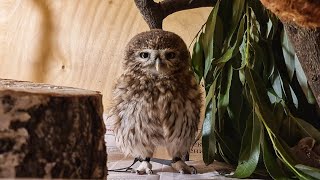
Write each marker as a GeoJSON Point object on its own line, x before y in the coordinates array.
{"type": "Point", "coordinates": [156, 101]}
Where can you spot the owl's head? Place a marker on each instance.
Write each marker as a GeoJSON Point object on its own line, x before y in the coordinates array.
{"type": "Point", "coordinates": [157, 52]}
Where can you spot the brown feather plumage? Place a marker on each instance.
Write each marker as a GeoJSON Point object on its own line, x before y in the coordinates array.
{"type": "Point", "coordinates": [156, 107]}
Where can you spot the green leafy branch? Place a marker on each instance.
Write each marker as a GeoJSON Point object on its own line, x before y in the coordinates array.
{"type": "Point", "coordinates": [254, 91]}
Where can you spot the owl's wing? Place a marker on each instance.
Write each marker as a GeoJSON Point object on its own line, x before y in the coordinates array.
{"type": "Point", "coordinates": [118, 93]}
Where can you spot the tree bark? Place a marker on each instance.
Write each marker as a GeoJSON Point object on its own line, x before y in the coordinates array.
{"type": "Point", "coordinates": [50, 132]}
{"type": "Point", "coordinates": [301, 19]}
{"type": "Point", "coordinates": [154, 13]}
{"type": "Point", "coordinates": [306, 43]}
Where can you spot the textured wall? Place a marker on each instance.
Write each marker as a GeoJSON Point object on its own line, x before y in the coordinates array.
{"type": "Point", "coordinates": [76, 42]}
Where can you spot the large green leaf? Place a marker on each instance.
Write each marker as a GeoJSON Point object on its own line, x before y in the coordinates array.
{"type": "Point", "coordinates": [302, 79]}
{"type": "Point", "coordinates": [293, 97]}
{"type": "Point", "coordinates": [289, 130]}
{"type": "Point", "coordinates": [250, 148]}
{"type": "Point", "coordinates": [279, 114]}
{"type": "Point", "coordinates": [259, 58]}
{"type": "Point", "coordinates": [254, 29]}
{"type": "Point", "coordinates": [314, 173]}
{"type": "Point", "coordinates": [236, 102]}
{"type": "Point", "coordinates": [227, 148]}
{"type": "Point", "coordinates": [285, 156]}
{"type": "Point", "coordinates": [259, 94]}
{"type": "Point", "coordinates": [269, 63]}
{"type": "Point", "coordinates": [209, 37]}
{"type": "Point", "coordinates": [277, 84]}
{"type": "Point", "coordinates": [224, 93]}
{"type": "Point", "coordinates": [208, 129]}
{"type": "Point", "coordinates": [294, 66]}
{"type": "Point", "coordinates": [252, 81]}
{"type": "Point", "coordinates": [198, 59]}
{"type": "Point", "coordinates": [237, 13]}
{"type": "Point", "coordinates": [231, 52]}
{"type": "Point", "coordinates": [270, 161]}
{"type": "Point", "coordinates": [264, 114]}
{"type": "Point", "coordinates": [244, 51]}
{"type": "Point", "coordinates": [307, 129]}
{"type": "Point", "coordinates": [288, 54]}
{"type": "Point", "coordinates": [269, 28]}
{"type": "Point", "coordinates": [218, 37]}
{"type": "Point", "coordinates": [272, 26]}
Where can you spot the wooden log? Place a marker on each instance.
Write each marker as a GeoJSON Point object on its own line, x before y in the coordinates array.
{"type": "Point", "coordinates": [50, 131]}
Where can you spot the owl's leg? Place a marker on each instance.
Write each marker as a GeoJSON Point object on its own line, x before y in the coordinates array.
{"type": "Point", "coordinates": [142, 148]}
{"type": "Point", "coordinates": [179, 165]}
{"type": "Point", "coordinates": [144, 167]}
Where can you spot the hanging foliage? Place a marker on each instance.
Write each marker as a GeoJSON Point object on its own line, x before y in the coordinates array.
{"type": "Point", "coordinates": [256, 93]}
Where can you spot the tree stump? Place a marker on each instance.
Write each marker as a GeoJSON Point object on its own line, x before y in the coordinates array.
{"type": "Point", "coordinates": [50, 131]}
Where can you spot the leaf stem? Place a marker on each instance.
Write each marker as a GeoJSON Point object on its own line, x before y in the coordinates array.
{"type": "Point", "coordinates": [248, 34]}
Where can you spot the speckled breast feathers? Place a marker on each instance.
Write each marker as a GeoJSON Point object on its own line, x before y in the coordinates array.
{"type": "Point", "coordinates": [156, 101]}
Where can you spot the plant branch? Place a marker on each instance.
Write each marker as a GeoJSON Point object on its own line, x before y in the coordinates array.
{"type": "Point", "coordinates": [302, 23]}
{"type": "Point", "coordinates": [154, 13]}
{"type": "Point", "coordinates": [306, 43]}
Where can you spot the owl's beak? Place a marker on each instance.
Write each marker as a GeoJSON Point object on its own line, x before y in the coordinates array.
{"type": "Point", "coordinates": [157, 64]}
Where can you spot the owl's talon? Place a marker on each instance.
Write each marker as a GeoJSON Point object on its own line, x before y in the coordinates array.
{"type": "Point", "coordinates": [182, 171]}
{"type": "Point", "coordinates": [183, 168]}
{"type": "Point", "coordinates": [144, 168]}
{"type": "Point", "coordinates": [193, 170]}
{"type": "Point", "coordinates": [149, 171]}
{"type": "Point", "coordinates": [139, 172]}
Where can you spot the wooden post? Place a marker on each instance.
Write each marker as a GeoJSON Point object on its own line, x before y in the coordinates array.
{"type": "Point", "coordinates": [50, 131]}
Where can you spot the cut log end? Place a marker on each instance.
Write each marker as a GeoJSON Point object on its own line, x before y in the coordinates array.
{"type": "Point", "coordinates": [50, 131]}
{"type": "Point", "coordinates": [36, 88]}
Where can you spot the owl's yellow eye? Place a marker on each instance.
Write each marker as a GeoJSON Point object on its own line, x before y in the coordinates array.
{"type": "Point", "coordinates": [144, 55]}
{"type": "Point", "coordinates": [170, 55]}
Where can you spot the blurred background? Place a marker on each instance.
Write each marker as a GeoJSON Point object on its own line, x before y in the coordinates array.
{"type": "Point", "coordinates": [76, 43]}
{"type": "Point", "coordinates": [79, 43]}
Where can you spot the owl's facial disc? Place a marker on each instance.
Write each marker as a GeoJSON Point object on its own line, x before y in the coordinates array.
{"type": "Point", "coordinates": [158, 61]}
